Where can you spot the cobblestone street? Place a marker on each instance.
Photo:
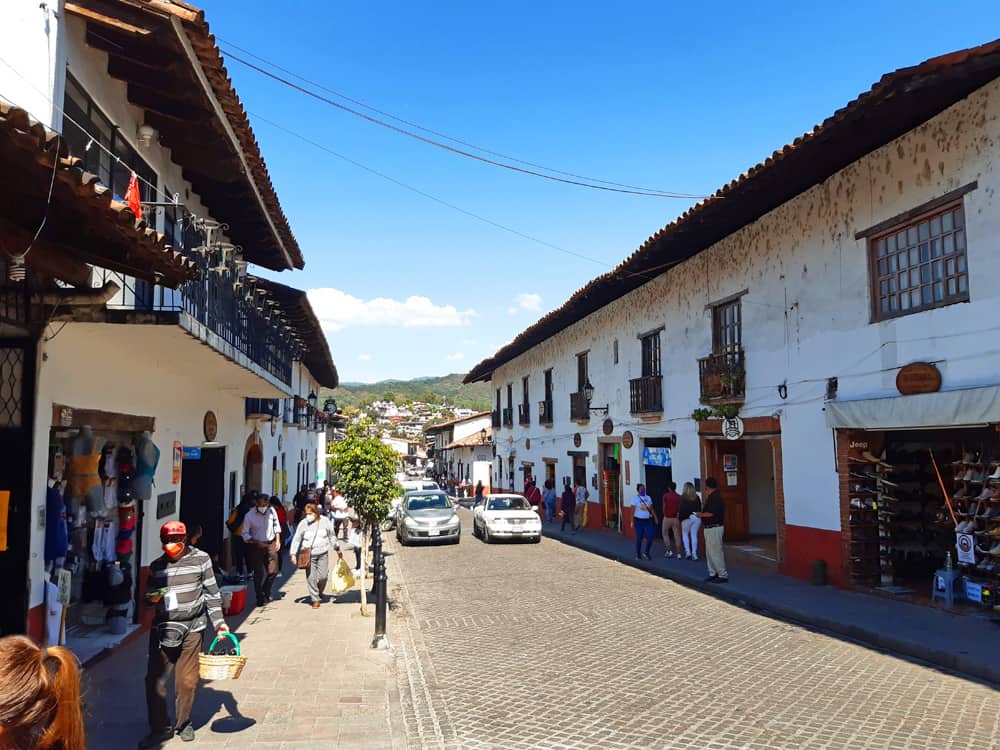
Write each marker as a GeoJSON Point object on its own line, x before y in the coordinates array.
{"type": "Point", "coordinates": [547, 646]}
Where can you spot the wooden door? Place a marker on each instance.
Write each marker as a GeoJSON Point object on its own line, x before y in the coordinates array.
{"type": "Point", "coordinates": [732, 485]}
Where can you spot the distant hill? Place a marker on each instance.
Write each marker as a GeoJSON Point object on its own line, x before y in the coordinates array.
{"type": "Point", "coordinates": [447, 389]}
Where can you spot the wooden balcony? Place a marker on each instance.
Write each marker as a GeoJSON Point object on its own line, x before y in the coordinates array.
{"type": "Point", "coordinates": [496, 420]}
{"type": "Point", "coordinates": [646, 394]}
{"type": "Point", "coordinates": [579, 409]}
{"type": "Point", "coordinates": [261, 408]}
{"type": "Point", "coordinates": [723, 377]}
{"type": "Point", "coordinates": [508, 417]}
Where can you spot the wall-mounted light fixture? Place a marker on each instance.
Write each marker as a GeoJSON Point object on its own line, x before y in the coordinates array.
{"type": "Point", "coordinates": [783, 390]}
{"type": "Point", "coordinates": [588, 394]}
{"type": "Point", "coordinates": [146, 134]}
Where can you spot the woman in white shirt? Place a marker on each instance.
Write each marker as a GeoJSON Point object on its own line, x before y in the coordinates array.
{"type": "Point", "coordinates": [644, 521]}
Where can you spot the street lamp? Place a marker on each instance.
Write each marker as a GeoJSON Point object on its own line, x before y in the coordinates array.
{"type": "Point", "coordinates": [588, 394]}
{"type": "Point", "coordinates": [312, 399]}
{"type": "Point", "coordinates": [482, 436]}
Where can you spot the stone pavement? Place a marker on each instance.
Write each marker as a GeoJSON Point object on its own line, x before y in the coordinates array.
{"type": "Point", "coordinates": [935, 635]}
{"type": "Point", "coordinates": [523, 646]}
{"type": "Point", "coordinates": [311, 681]}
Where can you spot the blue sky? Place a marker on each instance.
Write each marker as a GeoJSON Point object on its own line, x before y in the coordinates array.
{"type": "Point", "coordinates": [675, 96]}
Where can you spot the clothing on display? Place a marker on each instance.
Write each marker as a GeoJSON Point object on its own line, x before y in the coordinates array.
{"type": "Point", "coordinates": [56, 531]}
{"type": "Point", "coordinates": [104, 541]}
{"type": "Point", "coordinates": [53, 616]}
{"type": "Point", "coordinates": [147, 458]}
{"type": "Point", "coordinates": [84, 478]}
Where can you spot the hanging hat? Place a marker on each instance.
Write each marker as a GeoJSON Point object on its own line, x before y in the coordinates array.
{"type": "Point", "coordinates": [172, 528]}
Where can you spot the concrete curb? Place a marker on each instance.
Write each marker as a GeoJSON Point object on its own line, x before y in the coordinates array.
{"type": "Point", "coordinates": [966, 666]}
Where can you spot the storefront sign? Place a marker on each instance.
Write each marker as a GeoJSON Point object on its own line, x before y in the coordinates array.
{"type": "Point", "coordinates": [65, 416]}
{"type": "Point", "coordinates": [192, 453]}
{"type": "Point", "coordinates": [918, 377]}
{"type": "Point", "coordinates": [211, 426]}
{"type": "Point", "coordinates": [730, 462]}
{"type": "Point", "coordinates": [178, 460]}
{"type": "Point", "coordinates": [973, 591]}
{"type": "Point", "coordinates": [577, 440]}
{"type": "Point", "coordinates": [627, 439]}
{"type": "Point", "coordinates": [732, 428]}
{"type": "Point", "coordinates": [656, 456]}
{"type": "Point", "coordinates": [966, 552]}
{"type": "Point", "coordinates": [65, 584]}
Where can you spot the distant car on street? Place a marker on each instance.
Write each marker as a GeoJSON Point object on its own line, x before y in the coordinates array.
{"type": "Point", "coordinates": [505, 516]}
{"type": "Point", "coordinates": [427, 516]}
{"type": "Point", "coordinates": [408, 485]}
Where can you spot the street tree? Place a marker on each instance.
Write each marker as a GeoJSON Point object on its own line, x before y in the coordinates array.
{"type": "Point", "coordinates": [365, 471]}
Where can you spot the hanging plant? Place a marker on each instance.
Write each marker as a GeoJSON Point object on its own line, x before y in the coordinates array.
{"type": "Point", "coordinates": [701, 414]}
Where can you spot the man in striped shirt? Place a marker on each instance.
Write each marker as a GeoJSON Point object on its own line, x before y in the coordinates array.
{"type": "Point", "coordinates": [182, 587]}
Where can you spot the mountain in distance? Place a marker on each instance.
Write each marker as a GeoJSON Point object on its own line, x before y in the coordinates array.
{"type": "Point", "coordinates": [446, 389]}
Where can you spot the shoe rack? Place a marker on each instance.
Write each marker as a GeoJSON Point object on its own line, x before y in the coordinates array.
{"type": "Point", "coordinates": [977, 509]}
{"type": "Point", "coordinates": [870, 529]}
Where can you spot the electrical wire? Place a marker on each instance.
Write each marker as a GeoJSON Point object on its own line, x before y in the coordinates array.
{"type": "Point", "coordinates": [453, 149]}
{"type": "Point", "coordinates": [418, 126]}
{"type": "Point", "coordinates": [48, 203]}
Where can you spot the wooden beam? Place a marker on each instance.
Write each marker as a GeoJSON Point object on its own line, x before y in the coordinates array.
{"type": "Point", "coordinates": [167, 78]}
{"type": "Point", "coordinates": [101, 19]}
{"type": "Point", "coordinates": [47, 257]}
{"type": "Point", "coordinates": [124, 47]}
{"type": "Point", "coordinates": [71, 417]}
{"type": "Point", "coordinates": [163, 102]}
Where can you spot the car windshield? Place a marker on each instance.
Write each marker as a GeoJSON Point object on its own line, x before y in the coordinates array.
{"type": "Point", "coordinates": [507, 503]}
{"type": "Point", "coordinates": [436, 501]}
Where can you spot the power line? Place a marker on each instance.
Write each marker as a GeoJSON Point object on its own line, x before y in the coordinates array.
{"type": "Point", "coordinates": [452, 149]}
{"type": "Point", "coordinates": [423, 193]}
{"type": "Point", "coordinates": [438, 133]}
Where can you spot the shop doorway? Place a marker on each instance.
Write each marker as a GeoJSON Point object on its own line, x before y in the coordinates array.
{"type": "Point", "coordinates": [611, 484]}
{"type": "Point", "coordinates": [762, 515]}
{"type": "Point", "coordinates": [726, 460]}
{"type": "Point", "coordinates": [253, 464]}
{"type": "Point", "coordinates": [203, 487]}
{"type": "Point", "coordinates": [17, 414]}
{"type": "Point", "coordinates": [659, 474]}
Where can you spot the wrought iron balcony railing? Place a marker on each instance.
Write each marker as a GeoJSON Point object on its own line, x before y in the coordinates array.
{"type": "Point", "coordinates": [261, 408]}
{"type": "Point", "coordinates": [723, 377]}
{"type": "Point", "coordinates": [508, 417]}
{"type": "Point", "coordinates": [646, 394]}
{"type": "Point", "coordinates": [496, 419]}
{"type": "Point", "coordinates": [579, 409]}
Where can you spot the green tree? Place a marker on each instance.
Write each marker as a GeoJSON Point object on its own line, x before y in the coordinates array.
{"type": "Point", "coordinates": [365, 471]}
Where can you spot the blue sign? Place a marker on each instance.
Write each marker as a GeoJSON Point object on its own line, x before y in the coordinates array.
{"type": "Point", "coordinates": [656, 456]}
{"type": "Point", "coordinates": [192, 453]}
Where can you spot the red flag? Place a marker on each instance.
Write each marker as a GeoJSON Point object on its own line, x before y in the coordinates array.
{"type": "Point", "coordinates": [132, 197]}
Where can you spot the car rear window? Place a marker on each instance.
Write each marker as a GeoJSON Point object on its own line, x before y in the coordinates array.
{"type": "Point", "coordinates": [424, 502]}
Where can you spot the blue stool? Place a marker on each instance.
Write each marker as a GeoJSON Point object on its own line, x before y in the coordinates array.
{"type": "Point", "coordinates": [943, 585]}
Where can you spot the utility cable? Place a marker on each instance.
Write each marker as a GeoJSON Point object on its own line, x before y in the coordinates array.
{"type": "Point", "coordinates": [437, 133]}
{"type": "Point", "coordinates": [446, 147]}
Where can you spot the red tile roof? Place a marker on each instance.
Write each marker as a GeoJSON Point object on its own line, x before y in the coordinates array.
{"type": "Point", "coordinates": [897, 103]}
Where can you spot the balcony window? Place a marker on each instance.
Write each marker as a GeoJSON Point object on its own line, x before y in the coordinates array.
{"type": "Point", "coordinates": [722, 374]}
{"type": "Point", "coordinates": [545, 407]}
{"type": "Point", "coordinates": [524, 410]}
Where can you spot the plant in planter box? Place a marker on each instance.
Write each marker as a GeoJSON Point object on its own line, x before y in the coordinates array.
{"type": "Point", "coordinates": [701, 414]}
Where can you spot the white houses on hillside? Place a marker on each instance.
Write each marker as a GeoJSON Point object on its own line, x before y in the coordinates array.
{"type": "Point", "coordinates": [840, 297]}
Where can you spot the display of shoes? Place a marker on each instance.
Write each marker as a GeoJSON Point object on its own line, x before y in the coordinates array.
{"type": "Point", "coordinates": [968, 476]}
{"type": "Point", "coordinates": [996, 473]}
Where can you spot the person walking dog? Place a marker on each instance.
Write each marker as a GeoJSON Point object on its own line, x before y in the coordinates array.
{"type": "Point", "coordinates": [183, 589]}
{"type": "Point", "coordinates": [310, 549]}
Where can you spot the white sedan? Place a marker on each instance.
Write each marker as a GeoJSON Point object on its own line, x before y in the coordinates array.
{"type": "Point", "coordinates": [505, 516]}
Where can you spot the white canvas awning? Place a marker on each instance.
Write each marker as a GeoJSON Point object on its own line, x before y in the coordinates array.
{"type": "Point", "coordinates": [968, 406]}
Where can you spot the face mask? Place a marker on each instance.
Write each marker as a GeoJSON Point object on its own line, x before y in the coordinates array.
{"type": "Point", "coordinates": [173, 550]}
{"type": "Point", "coordinates": [262, 510]}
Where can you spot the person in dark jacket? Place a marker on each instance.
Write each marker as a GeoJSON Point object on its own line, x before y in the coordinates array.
{"type": "Point", "coordinates": [241, 561]}
{"type": "Point", "coordinates": [568, 506]}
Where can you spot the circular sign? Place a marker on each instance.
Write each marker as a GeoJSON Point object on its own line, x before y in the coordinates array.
{"type": "Point", "coordinates": [577, 440]}
{"type": "Point", "coordinates": [918, 377]}
{"type": "Point", "coordinates": [732, 428]}
{"type": "Point", "coordinates": [627, 439]}
{"type": "Point", "coordinates": [210, 426]}
{"type": "Point", "coordinates": [274, 427]}
{"type": "Point", "coordinates": [527, 444]}
{"type": "Point", "coordinates": [965, 543]}
{"type": "Point", "coordinates": [607, 427]}
{"type": "Point", "coordinates": [281, 442]}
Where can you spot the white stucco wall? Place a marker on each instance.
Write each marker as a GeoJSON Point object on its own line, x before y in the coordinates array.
{"type": "Point", "coordinates": [32, 43]}
{"type": "Point", "coordinates": [806, 315]}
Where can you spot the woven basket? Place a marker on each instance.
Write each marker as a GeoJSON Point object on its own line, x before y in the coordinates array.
{"type": "Point", "coordinates": [221, 666]}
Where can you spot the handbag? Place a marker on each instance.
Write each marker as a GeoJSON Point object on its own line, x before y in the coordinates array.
{"type": "Point", "coordinates": [304, 556]}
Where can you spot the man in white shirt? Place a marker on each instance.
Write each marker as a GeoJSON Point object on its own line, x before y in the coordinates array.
{"type": "Point", "coordinates": [262, 534]}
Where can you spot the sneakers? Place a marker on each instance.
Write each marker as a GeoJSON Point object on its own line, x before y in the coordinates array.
{"type": "Point", "coordinates": [187, 733]}
{"type": "Point", "coordinates": [969, 476]}
{"type": "Point", "coordinates": [668, 553]}
{"type": "Point", "coordinates": [158, 739]}
{"type": "Point", "coordinates": [712, 579]}
{"type": "Point", "coordinates": [645, 556]}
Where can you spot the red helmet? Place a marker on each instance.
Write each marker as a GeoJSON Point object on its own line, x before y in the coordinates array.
{"type": "Point", "coordinates": [172, 528]}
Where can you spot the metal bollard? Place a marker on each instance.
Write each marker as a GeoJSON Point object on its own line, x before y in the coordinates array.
{"type": "Point", "coordinates": [380, 640]}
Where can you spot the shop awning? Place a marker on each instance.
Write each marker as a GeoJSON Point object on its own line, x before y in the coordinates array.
{"type": "Point", "coordinates": [968, 406]}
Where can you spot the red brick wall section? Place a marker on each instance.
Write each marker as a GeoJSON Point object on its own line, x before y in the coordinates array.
{"type": "Point", "coordinates": [595, 515]}
{"type": "Point", "coordinates": [779, 502]}
{"type": "Point", "coordinates": [36, 624]}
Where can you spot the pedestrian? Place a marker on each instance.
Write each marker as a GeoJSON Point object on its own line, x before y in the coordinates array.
{"type": "Point", "coordinates": [356, 540]}
{"type": "Point", "coordinates": [340, 522]}
{"type": "Point", "coordinates": [479, 491]}
{"type": "Point", "coordinates": [643, 520]}
{"type": "Point", "coordinates": [713, 518]}
{"type": "Point", "coordinates": [549, 498]}
{"type": "Point", "coordinates": [671, 522]}
{"type": "Point", "coordinates": [299, 503]}
{"type": "Point", "coordinates": [281, 513]}
{"type": "Point", "coordinates": [262, 533]}
{"type": "Point", "coordinates": [582, 495]}
{"type": "Point", "coordinates": [315, 533]}
{"type": "Point", "coordinates": [241, 560]}
{"type": "Point", "coordinates": [182, 587]}
{"type": "Point", "coordinates": [39, 697]}
{"type": "Point", "coordinates": [533, 495]}
{"type": "Point", "coordinates": [568, 507]}
{"type": "Point", "coordinates": [690, 522]}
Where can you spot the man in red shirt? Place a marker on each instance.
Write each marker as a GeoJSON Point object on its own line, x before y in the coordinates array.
{"type": "Point", "coordinates": [671, 506]}
{"type": "Point", "coordinates": [533, 494]}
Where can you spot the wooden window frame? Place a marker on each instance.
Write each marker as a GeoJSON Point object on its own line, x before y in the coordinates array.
{"type": "Point", "coordinates": [936, 265]}
{"type": "Point", "coordinates": [651, 362]}
{"type": "Point", "coordinates": [582, 370]}
{"type": "Point", "coordinates": [720, 345]}
{"type": "Point", "coordinates": [547, 384]}
{"type": "Point", "coordinates": [525, 390]}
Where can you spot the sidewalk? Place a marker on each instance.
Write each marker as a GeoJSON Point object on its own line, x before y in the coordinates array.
{"type": "Point", "coordinates": [311, 680]}
{"type": "Point", "coordinates": [961, 643]}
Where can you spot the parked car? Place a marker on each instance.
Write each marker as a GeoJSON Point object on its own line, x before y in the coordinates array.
{"type": "Point", "coordinates": [427, 516]}
{"type": "Point", "coordinates": [506, 516]}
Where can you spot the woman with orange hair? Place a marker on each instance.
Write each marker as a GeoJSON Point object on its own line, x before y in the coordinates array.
{"type": "Point", "coordinates": [39, 697]}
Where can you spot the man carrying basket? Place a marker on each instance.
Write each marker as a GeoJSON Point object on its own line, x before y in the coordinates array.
{"type": "Point", "coordinates": [182, 587]}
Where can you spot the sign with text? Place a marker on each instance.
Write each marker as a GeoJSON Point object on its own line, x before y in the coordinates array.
{"type": "Point", "coordinates": [192, 452]}
{"type": "Point", "coordinates": [966, 552]}
{"type": "Point", "coordinates": [65, 583]}
{"type": "Point", "coordinates": [918, 377]}
{"type": "Point", "coordinates": [178, 460]}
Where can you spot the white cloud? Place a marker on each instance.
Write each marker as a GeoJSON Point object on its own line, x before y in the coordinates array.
{"type": "Point", "coordinates": [455, 357]}
{"type": "Point", "coordinates": [526, 301]}
{"type": "Point", "coordinates": [469, 342]}
{"type": "Point", "coordinates": [365, 357]}
{"type": "Point", "coordinates": [338, 310]}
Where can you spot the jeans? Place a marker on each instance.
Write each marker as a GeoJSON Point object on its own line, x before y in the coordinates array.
{"type": "Point", "coordinates": [689, 533]}
{"type": "Point", "coordinates": [568, 516]}
{"type": "Point", "coordinates": [644, 528]}
{"type": "Point", "coordinates": [715, 553]}
{"type": "Point", "coordinates": [183, 662]}
{"type": "Point", "coordinates": [550, 510]}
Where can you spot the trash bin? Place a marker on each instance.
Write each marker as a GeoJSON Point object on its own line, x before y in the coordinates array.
{"type": "Point", "coordinates": [819, 572]}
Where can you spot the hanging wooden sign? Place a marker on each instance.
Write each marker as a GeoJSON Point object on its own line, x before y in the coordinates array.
{"type": "Point", "coordinates": [918, 377]}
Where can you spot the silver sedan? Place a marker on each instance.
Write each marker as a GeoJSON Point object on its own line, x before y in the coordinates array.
{"type": "Point", "coordinates": [427, 517]}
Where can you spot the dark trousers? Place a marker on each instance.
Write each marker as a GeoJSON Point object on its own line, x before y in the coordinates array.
{"type": "Point", "coordinates": [241, 564]}
{"type": "Point", "coordinates": [265, 568]}
{"type": "Point", "coordinates": [337, 524]}
{"type": "Point", "coordinates": [644, 528]}
{"type": "Point", "coordinates": [183, 662]}
{"type": "Point", "coordinates": [569, 513]}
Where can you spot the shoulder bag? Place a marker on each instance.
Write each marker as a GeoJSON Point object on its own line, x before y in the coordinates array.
{"type": "Point", "coordinates": [304, 556]}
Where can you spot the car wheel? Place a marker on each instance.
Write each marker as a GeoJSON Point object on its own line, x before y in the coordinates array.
{"type": "Point", "coordinates": [537, 539]}
{"type": "Point", "coordinates": [475, 529]}
{"type": "Point", "coordinates": [486, 534]}
{"type": "Point", "coordinates": [457, 539]}
{"type": "Point", "coordinates": [402, 537]}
